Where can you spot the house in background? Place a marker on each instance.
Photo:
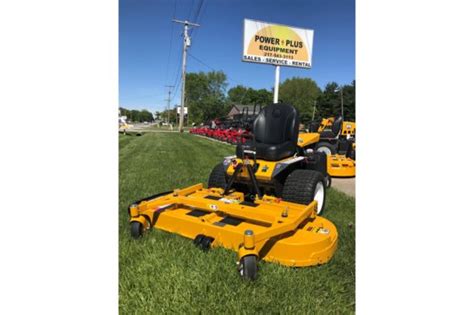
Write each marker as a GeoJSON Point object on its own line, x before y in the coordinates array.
{"type": "Point", "coordinates": [238, 110]}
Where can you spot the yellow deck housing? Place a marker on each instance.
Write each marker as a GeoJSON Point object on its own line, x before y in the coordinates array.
{"type": "Point", "coordinates": [307, 138]}
{"type": "Point", "coordinates": [337, 165]}
{"type": "Point", "coordinates": [341, 166]}
{"type": "Point", "coordinates": [288, 233]}
{"type": "Point", "coordinates": [348, 128]}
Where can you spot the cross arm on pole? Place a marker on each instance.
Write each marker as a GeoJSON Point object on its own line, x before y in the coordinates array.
{"type": "Point", "coordinates": [186, 23]}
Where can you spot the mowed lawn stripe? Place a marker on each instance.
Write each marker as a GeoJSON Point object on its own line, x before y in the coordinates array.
{"type": "Point", "coordinates": [164, 272]}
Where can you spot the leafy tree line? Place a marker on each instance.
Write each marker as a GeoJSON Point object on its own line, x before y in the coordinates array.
{"type": "Point", "coordinates": [136, 115]}
{"type": "Point", "coordinates": [171, 115]}
{"type": "Point", "coordinates": [314, 103]}
{"type": "Point", "coordinates": [207, 97]}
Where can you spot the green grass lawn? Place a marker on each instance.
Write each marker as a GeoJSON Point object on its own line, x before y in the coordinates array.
{"type": "Point", "coordinates": [163, 272]}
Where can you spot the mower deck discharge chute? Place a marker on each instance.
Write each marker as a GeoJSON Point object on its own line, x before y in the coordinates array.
{"type": "Point", "coordinates": [263, 203]}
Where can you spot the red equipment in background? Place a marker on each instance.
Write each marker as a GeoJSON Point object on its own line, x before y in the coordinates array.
{"type": "Point", "coordinates": [227, 130]}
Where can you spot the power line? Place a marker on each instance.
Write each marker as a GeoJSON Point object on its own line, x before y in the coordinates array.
{"type": "Point", "coordinates": [176, 85]}
{"type": "Point", "coordinates": [171, 41]}
{"type": "Point", "coordinates": [190, 10]}
{"type": "Point", "coordinates": [196, 15]}
{"type": "Point", "coordinates": [168, 100]}
{"type": "Point", "coordinates": [195, 33]}
{"type": "Point", "coordinates": [201, 62]}
{"type": "Point", "coordinates": [204, 64]}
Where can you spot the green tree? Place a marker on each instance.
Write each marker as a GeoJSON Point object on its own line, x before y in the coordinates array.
{"type": "Point", "coordinates": [329, 102]}
{"type": "Point", "coordinates": [205, 95]}
{"type": "Point", "coordinates": [301, 93]}
{"type": "Point", "coordinates": [124, 112]}
{"type": "Point", "coordinates": [135, 115]}
{"type": "Point", "coordinates": [145, 115]}
{"type": "Point", "coordinates": [171, 114]}
{"type": "Point", "coordinates": [349, 102]}
{"type": "Point", "coordinates": [248, 96]}
{"type": "Point", "coordinates": [236, 94]}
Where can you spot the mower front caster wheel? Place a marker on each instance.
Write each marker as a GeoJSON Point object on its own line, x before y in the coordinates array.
{"type": "Point", "coordinates": [206, 243]}
{"type": "Point", "coordinates": [248, 267]}
{"type": "Point", "coordinates": [136, 229]}
{"type": "Point", "coordinates": [198, 239]}
{"type": "Point", "coordinates": [328, 180]}
{"type": "Point", "coordinates": [203, 242]}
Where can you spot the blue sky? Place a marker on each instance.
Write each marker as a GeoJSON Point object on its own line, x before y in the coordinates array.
{"type": "Point", "coordinates": [146, 33]}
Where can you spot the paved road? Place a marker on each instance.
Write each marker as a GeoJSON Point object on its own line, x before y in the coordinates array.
{"type": "Point", "coordinates": [346, 185]}
{"type": "Point", "coordinates": [143, 128]}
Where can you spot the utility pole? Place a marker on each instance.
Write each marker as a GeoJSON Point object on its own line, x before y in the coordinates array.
{"type": "Point", "coordinates": [342, 100]}
{"type": "Point", "coordinates": [314, 108]}
{"type": "Point", "coordinates": [342, 103]}
{"type": "Point", "coordinates": [169, 100]}
{"type": "Point", "coordinates": [186, 44]}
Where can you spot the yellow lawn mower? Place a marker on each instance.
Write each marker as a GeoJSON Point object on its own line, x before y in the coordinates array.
{"type": "Point", "coordinates": [335, 138]}
{"type": "Point", "coordinates": [264, 202]}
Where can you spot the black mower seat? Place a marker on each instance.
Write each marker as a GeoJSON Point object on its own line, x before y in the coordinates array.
{"type": "Point", "coordinates": [276, 133]}
{"type": "Point", "coordinates": [326, 134]}
{"type": "Point", "coordinates": [334, 131]}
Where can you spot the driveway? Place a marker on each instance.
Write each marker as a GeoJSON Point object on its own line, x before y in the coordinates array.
{"type": "Point", "coordinates": [346, 185]}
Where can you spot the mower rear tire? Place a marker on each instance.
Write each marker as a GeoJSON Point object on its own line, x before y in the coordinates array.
{"type": "Point", "coordinates": [303, 186]}
{"type": "Point", "coordinates": [217, 178]}
{"type": "Point", "coordinates": [136, 229]}
{"type": "Point", "coordinates": [326, 147]}
{"type": "Point", "coordinates": [248, 267]}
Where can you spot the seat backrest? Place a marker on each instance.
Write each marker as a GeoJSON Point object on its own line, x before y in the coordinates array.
{"type": "Point", "coordinates": [337, 126]}
{"type": "Point", "coordinates": [314, 125]}
{"type": "Point", "coordinates": [276, 124]}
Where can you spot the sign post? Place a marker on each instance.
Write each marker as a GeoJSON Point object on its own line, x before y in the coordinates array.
{"type": "Point", "coordinates": [278, 45]}
{"type": "Point", "coordinates": [277, 84]}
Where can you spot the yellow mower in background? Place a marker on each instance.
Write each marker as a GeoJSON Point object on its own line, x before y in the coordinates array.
{"type": "Point", "coordinates": [348, 127]}
{"type": "Point", "coordinates": [126, 128]}
{"type": "Point", "coordinates": [335, 138]}
{"type": "Point", "coordinates": [123, 125]}
{"type": "Point", "coordinates": [264, 202]}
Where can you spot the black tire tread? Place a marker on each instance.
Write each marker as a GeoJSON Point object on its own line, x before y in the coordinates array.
{"type": "Point", "coordinates": [250, 267]}
{"type": "Point", "coordinates": [300, 185]}
{"type": "Point", "coordinates": [136, 229]}
{"type": "Point", "coordinates": [217, 178]}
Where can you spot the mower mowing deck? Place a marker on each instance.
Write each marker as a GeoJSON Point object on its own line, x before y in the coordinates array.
{"type": "Point", "coordinates": [288, 233]}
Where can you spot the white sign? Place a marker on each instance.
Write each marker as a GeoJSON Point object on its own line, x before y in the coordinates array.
{"type": "Point", "coordinates": [178, 110]}
{"type": "Point", "coordinates": [277, 44]}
